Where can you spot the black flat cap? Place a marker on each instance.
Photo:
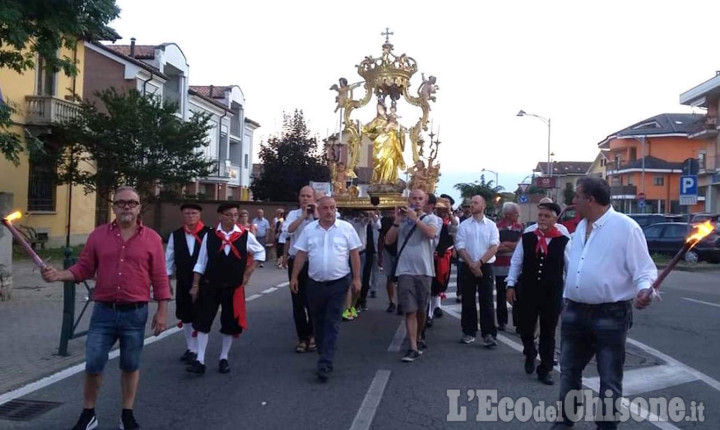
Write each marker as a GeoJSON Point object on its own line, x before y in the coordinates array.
{"type": "Point", "coordinates": [552, 207]}
{"type": "Point", "coordinates": [190, 206]}
{"type": "Point", "coordinates": [445, 196]}
{"type": "Point", "coordinates": [227, 205]}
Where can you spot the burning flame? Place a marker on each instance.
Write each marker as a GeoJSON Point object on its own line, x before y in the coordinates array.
{"type": "Point", "coordinates": [13, 216]}
{"type": "Point", "coordinates": [701, 230]}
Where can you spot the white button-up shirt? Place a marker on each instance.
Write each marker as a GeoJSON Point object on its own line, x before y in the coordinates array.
{"type": "Point", "coordinates": [262, 225]}
{"type": "Point", "coordinates": [516, 261]}
{"type": "Point", "coordinates": [253, 247]}
{"type": "Point", "coordinates": [292, 237]}
{"type": "Point", "coordinates": [328, 250]}
{"type": "Point", "coordinates": [170, 251]}
{"type": "Point", "coordinates": [476, 237]}
{"type": "Point", "coordinates": [612, 265]}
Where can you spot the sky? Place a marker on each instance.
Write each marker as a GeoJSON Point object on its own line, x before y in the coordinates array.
{"type": "Point", "coordinates": [593, 68]}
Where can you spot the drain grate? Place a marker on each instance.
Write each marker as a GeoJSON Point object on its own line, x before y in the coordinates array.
{"type": "Point", "coordinates": [25, 410]}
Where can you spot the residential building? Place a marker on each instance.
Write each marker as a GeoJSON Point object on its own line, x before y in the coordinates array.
{"type": "Point", "coordinates": [645, 162]}
{"type": "Point", "coordinates": [42, 98]}
{"type": "Point", "coordinates": [163, 70]}
{"type": "Point", "coordinates": [563, 175]}
{"type": "Point", "coordinates": [599, 166]}
{"type": "Point", "coordinates": [707, 96]}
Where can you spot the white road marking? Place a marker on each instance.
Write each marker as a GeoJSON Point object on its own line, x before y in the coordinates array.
{"type": "Point", "coordinates": [284, 284]}
{"type": "Point", "coordinates": [701, 302]}
{"type": "Point", "coordinates": [370, 403]}
{"type": "Point", "coordinates": [399, 338]}
{"type": "Point", "coordinates": [269, 290]}
{"type": "Point", "coordinates": [253, 297]}
{"type": "Point", "coordinates": [646, 379]}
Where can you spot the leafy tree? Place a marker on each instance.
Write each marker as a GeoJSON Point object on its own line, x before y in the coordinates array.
{"type": "Point", "coordinates": [134, 140]}
{"type": "Point", "coordinates": [568, 193]}
{"type": "Point", "coordinates": [289, 161]}
{"type": "Point", "coordinates": [488, 190]}
{"type": "Point", "coordinates": [41, 27]}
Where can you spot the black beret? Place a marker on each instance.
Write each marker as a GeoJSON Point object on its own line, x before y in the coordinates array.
{"type": "Point", "coordinates": [445, 196]}
{"type": "Point", "coordinates": [552, 207]}
{"type": "Point", "coordinates": [431, 199]}
{"type": "Point", "coordinates": [227, 205]}
{"type": "Point", "coordinates": [190, 206]}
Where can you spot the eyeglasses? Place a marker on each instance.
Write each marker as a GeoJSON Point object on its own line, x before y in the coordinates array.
{"type": "Point", "coordinates": [126, 203]}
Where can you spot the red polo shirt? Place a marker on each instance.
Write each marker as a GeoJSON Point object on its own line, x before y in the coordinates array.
{"type": "Point", "coordinates": [124, 271]}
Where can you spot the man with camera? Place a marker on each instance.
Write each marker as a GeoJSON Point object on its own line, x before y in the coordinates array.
{"type": "Point", "coordinates": [293, 226]}
{"type": "Point", "coordinates": [414, 267]}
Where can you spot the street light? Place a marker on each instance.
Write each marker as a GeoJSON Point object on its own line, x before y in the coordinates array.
{"type": "Point", "coordinates": [546, 121]}
{"type": "Point", "coordinates": [492, 171]}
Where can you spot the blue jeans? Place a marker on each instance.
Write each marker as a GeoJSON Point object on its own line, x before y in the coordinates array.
{"type": "Point", "coordinates": [594, 330]}
{"type": "Point", "coordinates": [108, 326]}
{"type": "Point", "coordinates": [327, 300]}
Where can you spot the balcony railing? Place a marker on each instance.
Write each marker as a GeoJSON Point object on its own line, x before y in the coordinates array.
{"type": "Point", "coordinates": [46, 110]}
{"type": "Point", "coordinates": [710, 164]}
{"type": "Point", "coordinates": [623, 190]}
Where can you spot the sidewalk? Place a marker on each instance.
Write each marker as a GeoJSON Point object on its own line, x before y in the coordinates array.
{"type": "Point", "coordinates": [30, 325]}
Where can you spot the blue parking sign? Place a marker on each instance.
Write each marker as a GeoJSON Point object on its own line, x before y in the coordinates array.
{"type": "Point", "coordinates": [688, 189]}
{"type": "Point", "coordinates": [524, 198]}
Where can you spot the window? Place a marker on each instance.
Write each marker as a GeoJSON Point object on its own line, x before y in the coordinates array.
{"type": "Point", "coordinates": [41, 189]}
{"type": "Point", "coordinates": [676, 231]}
{"type": "Point", "coordinates": [659, 181]}
{"type": "Point", "coordinates": [247, 161]}
{"type": "Point", "coordinates": [617, 162]}
{"type": "Point", "coordinates": [701, 160]}
{"type": "Point", "coordinates": [633, 154]}
{"type": "Point", "coordinates": [45, 85]}
{"type": "Point", "coordinates": [653, 232]}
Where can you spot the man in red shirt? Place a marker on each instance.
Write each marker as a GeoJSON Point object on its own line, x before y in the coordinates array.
{"type": "Point", "coordinates": [127, 260]}
{"type": "Point", "coordinates": [510, 233]}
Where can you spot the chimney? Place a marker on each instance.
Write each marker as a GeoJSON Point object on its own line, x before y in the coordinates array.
{"type": "Point", "coordinates": [132, 47]}
{"type": "Point", "coordinates": [212, 87]}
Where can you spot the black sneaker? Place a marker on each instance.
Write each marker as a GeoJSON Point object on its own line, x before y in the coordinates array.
{"type": "Point", "coordinates": [410, 356]}
{"type": "Point", "coordinates": [188, 356]}
{"type": "Point", "coordinates": [391, 307]}
{"type": "Point", "coordinates": [373, 294]}
{"type": "Point", "coordinates": [128, 421]}
{"type": "Point", "coordinates": [224, 366]}
{"type": "Point", "coordinates": [87, 420]}
{"type": "Point", "coordinates": [489, 341]}
{"type": "Point", "coordinates": [399, 310]}
{"type": "Point", "coordinates": [196, 367]}
{"type": "Point", "coordinates": [429, 323]}
{"type": "Point", "coordinates": [421, 345]}
{"type": "Point", "coordinates": [323, 374]}
{"type": "Point", "coordinates": [545, 378]}
{"type": "Point", "coordinates": [438, 313]}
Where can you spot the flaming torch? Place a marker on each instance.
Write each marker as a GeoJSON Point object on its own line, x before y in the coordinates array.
{"type": "Point", "coordinates": [701, 230]}
{"type": "Point", "coordinates": [7, 222]}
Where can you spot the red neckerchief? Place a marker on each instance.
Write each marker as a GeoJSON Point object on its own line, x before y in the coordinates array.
{"type": "Point", "coordinates": [198, 228]}
{"type": "Point", "coordinates": [542, 246]}
{"type": "Point", "coordinates": [233, 237]}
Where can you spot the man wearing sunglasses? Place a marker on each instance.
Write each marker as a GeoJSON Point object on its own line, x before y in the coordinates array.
{"type": "Point", "coordinates": [127, 261]}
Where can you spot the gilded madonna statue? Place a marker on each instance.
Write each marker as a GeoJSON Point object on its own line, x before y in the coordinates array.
{"type": "Point", "coordinates": [388, 145]}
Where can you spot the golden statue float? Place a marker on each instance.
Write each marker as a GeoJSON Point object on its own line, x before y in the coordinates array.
{"type": "Point", "coordinates": [388, 79]}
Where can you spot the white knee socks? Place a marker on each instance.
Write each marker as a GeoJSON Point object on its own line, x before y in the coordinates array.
{"type": "Point", "coordinates": [226, 343]}
{"type": "Point", "coordinates": [202, 341]}
{"type": "Point", "coordinates": [190, 341]}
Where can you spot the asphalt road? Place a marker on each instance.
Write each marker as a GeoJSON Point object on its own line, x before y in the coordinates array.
{"type": "Point", "coordinates": [672, 353]}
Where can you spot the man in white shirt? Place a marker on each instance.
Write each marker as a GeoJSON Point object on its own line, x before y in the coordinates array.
{"type": "Point", "coordinates": [414, 267]}
{"type": "Point", "coordinates": [262, 225]}
{"type": "Point", "coordinates": [609, 268]}
{"type": "Point", "coordinates": [294, 224]}
{"type": "Point", "coordinates": [476, 242]}
{"type": "Point", "coordinates": [181, 254]}
{"type": "Point", "coordinates": [538, 266]}
{"type": "Point", "coordinates": [225, 262]}
{"type": "Point", "coordinates": [327, 245]}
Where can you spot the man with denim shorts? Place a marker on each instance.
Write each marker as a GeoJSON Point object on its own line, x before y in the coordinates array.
{"type": "Point", "coordinates": [127, 260]}
{"type": "Point", "coordinates": [415, 233]}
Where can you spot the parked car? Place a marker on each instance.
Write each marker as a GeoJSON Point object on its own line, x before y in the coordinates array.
{"type": "Point", "coordinates": [713, 218]}
{"type": "Point", "coordinates": [645, 220]}
{"type": "Point", "coordinates": [668, 237]}
{"type": "Point", "coordinates": [570, 218]}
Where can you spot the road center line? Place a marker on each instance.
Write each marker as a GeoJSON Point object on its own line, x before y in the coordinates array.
{"type": "Point", "coordinates": [398, 339]}
{"type": "Point", "coordinates": [370, 403]}
{"type": "Point", "coordinates": [701, 302]}
{"type": "Point", "coordinates": [269, 290]}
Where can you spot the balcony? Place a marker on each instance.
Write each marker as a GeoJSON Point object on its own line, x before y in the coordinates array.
{"type": "Point", "coordinates": [623, 192]}
{"type": "Point", "coordinates": [46, 110]}
{"type": "Point", "coordinates": [235, 130]}
{"type": "Point", "coordinates": [709, 165]}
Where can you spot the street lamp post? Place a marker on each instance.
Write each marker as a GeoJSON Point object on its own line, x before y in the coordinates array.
{"type": "Point", "coordinates": [548, 122]}
{"type": "Point", "coordinates": [496, 175]}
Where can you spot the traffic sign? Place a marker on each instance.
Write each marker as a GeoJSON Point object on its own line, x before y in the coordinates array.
{"type": "Point", "coordinates": [688, 190]}
{"type": "Point", "coordinates": [523, 187]}
{"type": "Point", "coordinates": [641, 204]}
{"type": "Point", "coordinates": [524, 198]}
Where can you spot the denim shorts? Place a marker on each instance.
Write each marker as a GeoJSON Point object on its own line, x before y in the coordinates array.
{"type": "Point", "coordinates": [108, 326]}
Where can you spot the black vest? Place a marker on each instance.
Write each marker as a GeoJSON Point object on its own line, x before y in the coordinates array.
{"type": "Point", "coordinates": [225, 271]}
{"type": "Point", "coordinates": [184, 262]}
{"type": "Point", "coordinates": [445, 241]}
{"type": "Point", "coordinates": [543, 274]}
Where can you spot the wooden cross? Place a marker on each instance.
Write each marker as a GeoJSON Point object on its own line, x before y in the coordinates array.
{"type": "Point", "coordinates": [387, 34]}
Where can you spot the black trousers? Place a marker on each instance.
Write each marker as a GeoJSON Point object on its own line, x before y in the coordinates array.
{"type": "Point", "coordinates": [501, 310]}
{"type": "Point", "coordinates": [210, 298]}
{"type": "Point", "coordinates": [301, 309]}
{"type": "Point", "coordinates": [547, 309]}
{"type": "Point", "coordinates": [184, 306]}
{"type": "Point", "coordinates": [368, 261]}
{"type": "Point", "coordinates": [483, 286]}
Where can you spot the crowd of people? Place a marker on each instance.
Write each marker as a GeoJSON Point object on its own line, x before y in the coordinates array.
{"type": "Point", "coordinates": [335, 262]}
